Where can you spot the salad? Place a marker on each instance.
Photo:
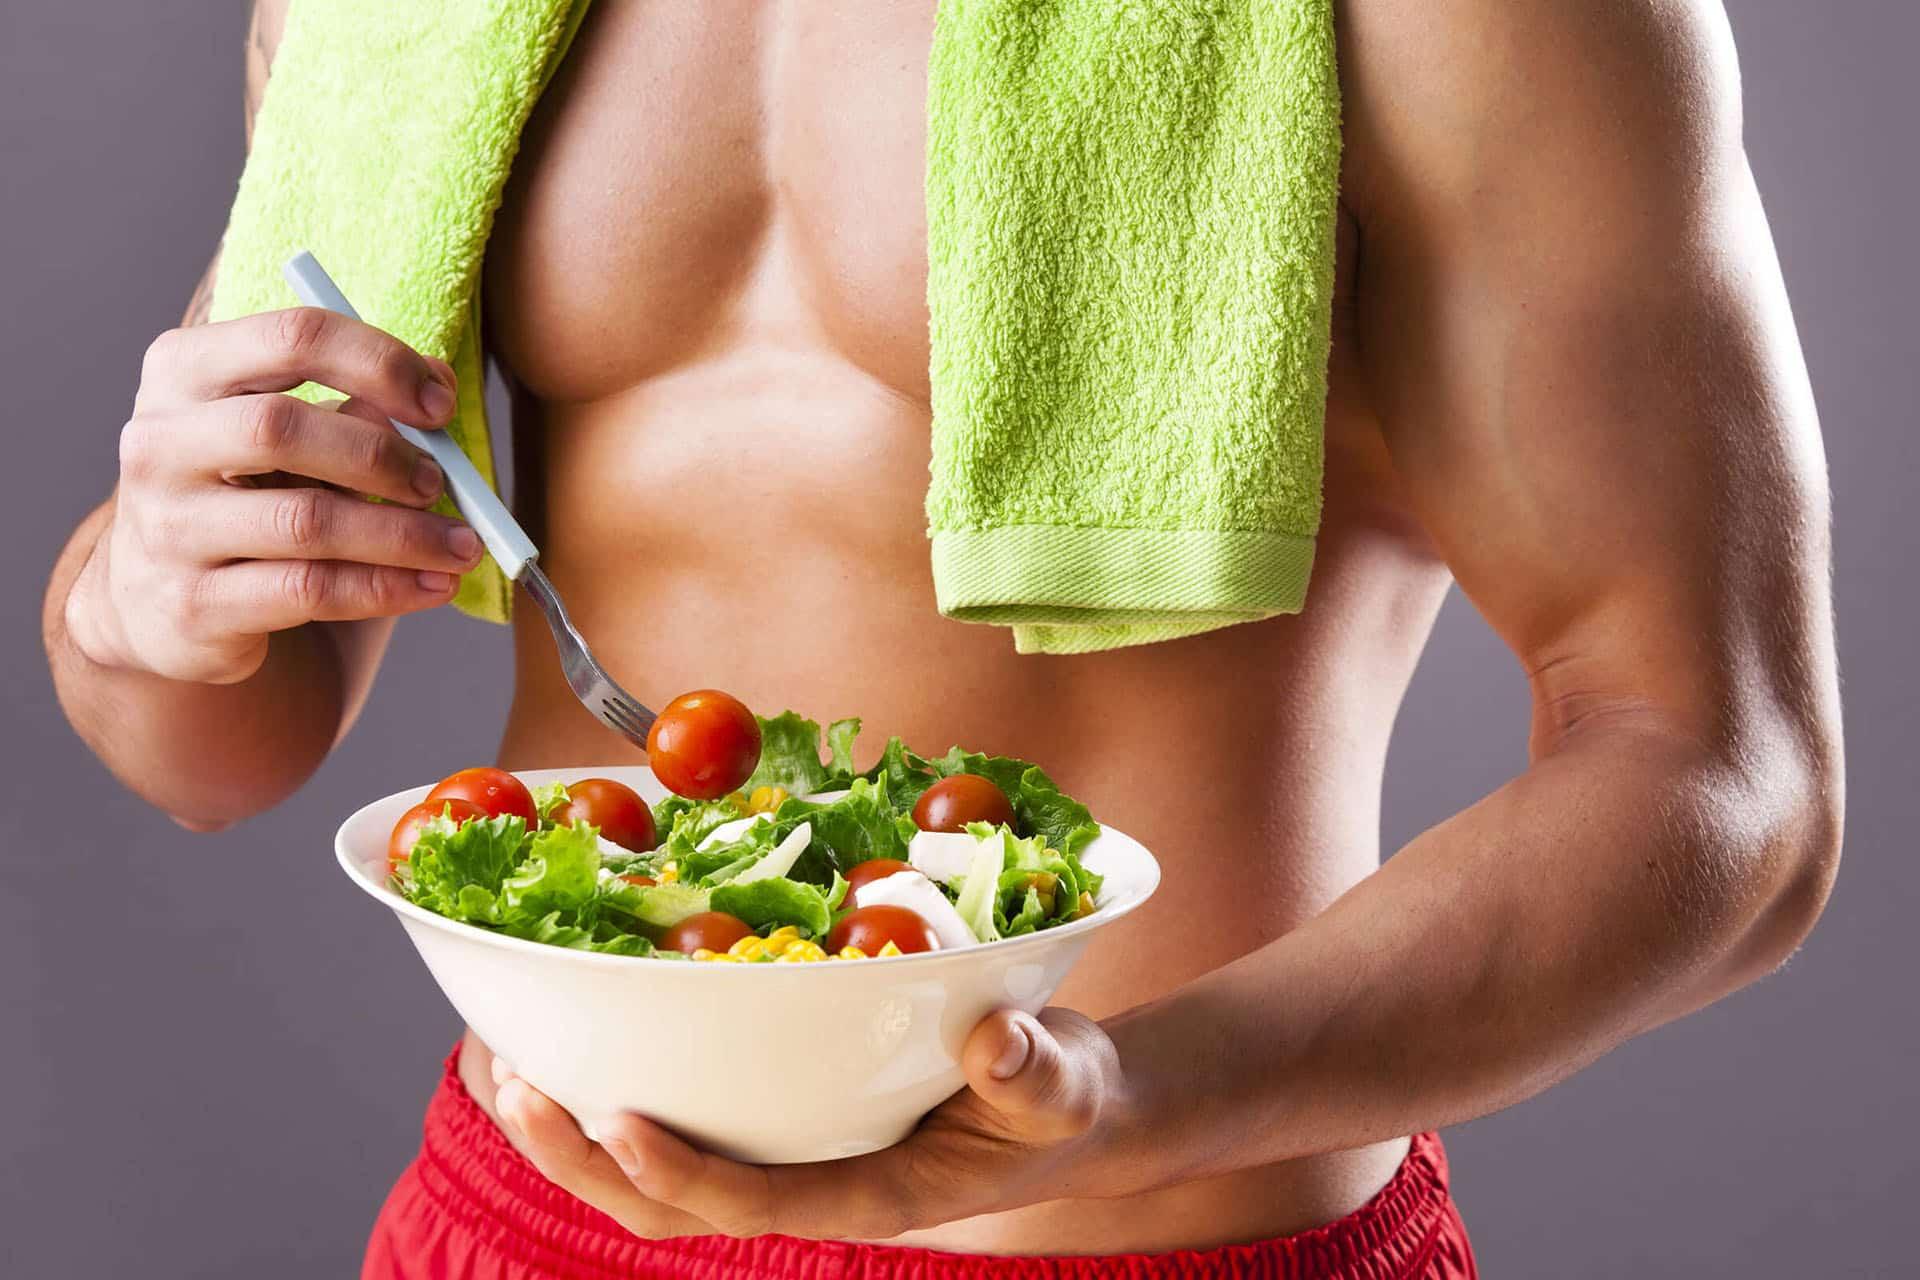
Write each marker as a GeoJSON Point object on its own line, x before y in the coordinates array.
{"type": "Point", "coordinates": [766, 852]}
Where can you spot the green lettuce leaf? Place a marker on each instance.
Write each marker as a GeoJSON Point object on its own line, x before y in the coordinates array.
{"type": "Point", "coordinates": [670, 814]}
{"type": "Point", "coordinates": [905, 775]}
{"type": "Point", "coordinates": [458, 870]}
{"type": "Point", "coordinates": [558, 874]}
{"type": "Point", "coordinates": [840, 736]}
{"type": "Point", "coordinates": [547, 797]}
{"type": "Point", "coordinates": [790, 755]}
{"type": "Point", "coordinates": [1030, 915]}
{"type": "Point", "coordinates": [722, 861]}
{"type": "Point", "coordinates": [1040, 808]}
{"type": "Point", "coordinates": [657, 906]}
{"type": "Point", "coordinates": [861, 825]}
{"type": "Point", "coordinates": [550, 929]}
{"type": "Point", "coordinates": [543, 887]}
{"type": "Point", "coordinates": [776, 901]}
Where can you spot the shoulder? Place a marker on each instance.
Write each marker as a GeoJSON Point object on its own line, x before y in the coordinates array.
{"type": "Point", "coordinates": [1453, 102]}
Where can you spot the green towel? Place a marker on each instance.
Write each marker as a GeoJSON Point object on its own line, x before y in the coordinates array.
{"type": "Point", "coordinates": [1131, 213]}
{"type": "Point", "coordinates": [383, 145]}
{"type": "Point", "coordinates": [1130, 225]}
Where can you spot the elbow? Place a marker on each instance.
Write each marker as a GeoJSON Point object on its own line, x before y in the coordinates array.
{"type": "Point", "coordinates": [1792, 859]}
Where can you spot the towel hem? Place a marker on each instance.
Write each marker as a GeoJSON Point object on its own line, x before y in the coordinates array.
{"type": "Point", "coordinates": [1069, 589]}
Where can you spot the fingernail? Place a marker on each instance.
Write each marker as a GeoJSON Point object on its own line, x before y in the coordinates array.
{"type": "Point", "coordinates": [464, 543]}
{"type": "Point", "coordinates": [624, 1156]}
{"type": "Point", "coordinates": [501, 1072]}
{"type": "Point", "coordinates": [1014, 1056]}
{"type": "Point", "coordinates": [434, 581]}
{"type": "Point", "coordinates": [426, 478]}
{"type": "Point", "coordinates": [435, 398]}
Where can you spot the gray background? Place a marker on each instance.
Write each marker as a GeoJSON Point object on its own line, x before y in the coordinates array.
{"type": "Point", "coordinates": [214, 1056]}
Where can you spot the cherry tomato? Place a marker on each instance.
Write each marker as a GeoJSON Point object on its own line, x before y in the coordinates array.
{"type": "Point", "coordinates": [871, 928]}
{"type": "Point", "coordinates": [494, 790]}
{"type": "Point", "coordinates": [711, 930]}
{"type": "Point", "coordinates": [621, 815]}
{"type": "Point", "coordinates": [865, 873]}
{"type": "Point", "coordinates": [704, 745]}
{"type": "Point", "coordinates": [642, 881]}
{"type": "Point", "coordinates": [951, 803]}
{"type": "Point", "coordinates": [406, 832]}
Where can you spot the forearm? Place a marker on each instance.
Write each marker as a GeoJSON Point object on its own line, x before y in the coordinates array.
{"type": "Point", "coordinates": [206, 754]}
{"type": "Point", "coordinates": [1624, 880]}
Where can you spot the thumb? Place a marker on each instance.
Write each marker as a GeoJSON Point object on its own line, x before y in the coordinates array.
{"type": "Point", "coordinates": [1046, 1076]}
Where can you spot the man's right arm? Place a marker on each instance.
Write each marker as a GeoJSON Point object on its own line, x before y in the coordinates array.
{"type": "Point", "coordinates": [213, 626]}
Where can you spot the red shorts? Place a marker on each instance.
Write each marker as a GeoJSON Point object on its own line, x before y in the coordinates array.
{"type": "Point", "coordinates": [470, 1207]}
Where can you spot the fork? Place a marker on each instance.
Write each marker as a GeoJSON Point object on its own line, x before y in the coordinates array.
{"type": "Point", "coordinates": [512, 549]}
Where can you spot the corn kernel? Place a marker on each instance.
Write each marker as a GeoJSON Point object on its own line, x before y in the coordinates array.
{"type": "Point", "coordinates": [766, 799]}
{"type": "Point", "coordinates": [851, 952]}
{"type": "Point", "coordinates": [1086, 904]}
{"type": "Point", "coordinates": [701, 953]}
{"type": "Point", "coordinates": [784, 934]}
{"type": "Point", "coordinates": [669, 873]}
{"type": "Point", "coordinates": [748, 947]}
{"type": "Point", "coordinates": [891, 949]}
{"type": "Point", "coordinates": [738, 800]}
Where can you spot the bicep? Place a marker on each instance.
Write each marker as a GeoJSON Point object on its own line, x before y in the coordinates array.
{"type": "Point", "coordinates": [1575, 331]}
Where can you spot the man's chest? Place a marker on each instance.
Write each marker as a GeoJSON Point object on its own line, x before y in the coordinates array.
{"type": "Point", "coordinates": [702, 177]}
{"type": "Point", "coordinates": [705, 180]}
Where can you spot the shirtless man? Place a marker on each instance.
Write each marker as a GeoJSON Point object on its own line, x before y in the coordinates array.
{"type": "Point", "coordinates": [1564, 375]}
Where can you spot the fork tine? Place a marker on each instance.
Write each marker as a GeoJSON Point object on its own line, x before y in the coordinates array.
{"type": "Point", "coordinates": [633, 710]}
{"type": "Point", "coordinates": [597, 691]}
{"type": "Point", "coordinates": [622, 717]}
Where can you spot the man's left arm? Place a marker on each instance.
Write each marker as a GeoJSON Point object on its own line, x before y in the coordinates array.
{"type": "Point", "coordinates": [1574, 327]}
{"type": "Point", "coordinates": [1579, 348]}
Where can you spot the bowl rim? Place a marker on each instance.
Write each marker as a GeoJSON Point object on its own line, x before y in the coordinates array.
{"type": "Point", "coordinates": [382, 893]}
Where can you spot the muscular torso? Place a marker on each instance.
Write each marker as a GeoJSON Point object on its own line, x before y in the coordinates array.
{"type": "Point", "coordinates": [708, 285]}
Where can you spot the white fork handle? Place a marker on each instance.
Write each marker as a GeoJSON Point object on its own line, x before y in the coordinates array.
{"type": "Point", "coordinates": [502, 534]}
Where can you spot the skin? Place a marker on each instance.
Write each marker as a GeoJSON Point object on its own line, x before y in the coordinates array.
{"type": "Point", "coordinates": [1564, 372]}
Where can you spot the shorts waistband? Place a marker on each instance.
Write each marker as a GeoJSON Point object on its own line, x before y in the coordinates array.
{"type": "Point", "coordinates": [474, 1175]}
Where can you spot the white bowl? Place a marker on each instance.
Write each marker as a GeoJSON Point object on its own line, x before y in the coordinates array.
{"type": "Point", "coordinates": [769, 1063]}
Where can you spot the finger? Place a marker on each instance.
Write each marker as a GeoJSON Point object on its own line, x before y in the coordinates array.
{"type": "Point", "coordinates": [1045, 1076]}
{"type": "Point", "coordinates": [279, 350]}
{"type": "Point", "coordinates": [858, 1198]}
{"type": "Point", "coordinates": [550, 1138]}
{"type": "Point", "coordinates": [309, 523]}
{"type": "Point", "coordinates": [362, 410]}
{"type": "Point", "coordinates": [261, 434]}
{"type": "Point", "coordinates": [253, 597]}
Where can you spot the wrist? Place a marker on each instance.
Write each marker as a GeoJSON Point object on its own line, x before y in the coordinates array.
{"type": "Point", "coordinates": [93, 627]}
{"type": "Point", "coordinates": [1135, 1144]}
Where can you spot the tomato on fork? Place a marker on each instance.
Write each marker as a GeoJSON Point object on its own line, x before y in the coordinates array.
{"type": "Point", "coordinates": [704, 744]}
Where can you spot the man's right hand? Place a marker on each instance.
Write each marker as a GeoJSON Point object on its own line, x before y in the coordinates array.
{"type": "Point", "coordinates": [201, 561]}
